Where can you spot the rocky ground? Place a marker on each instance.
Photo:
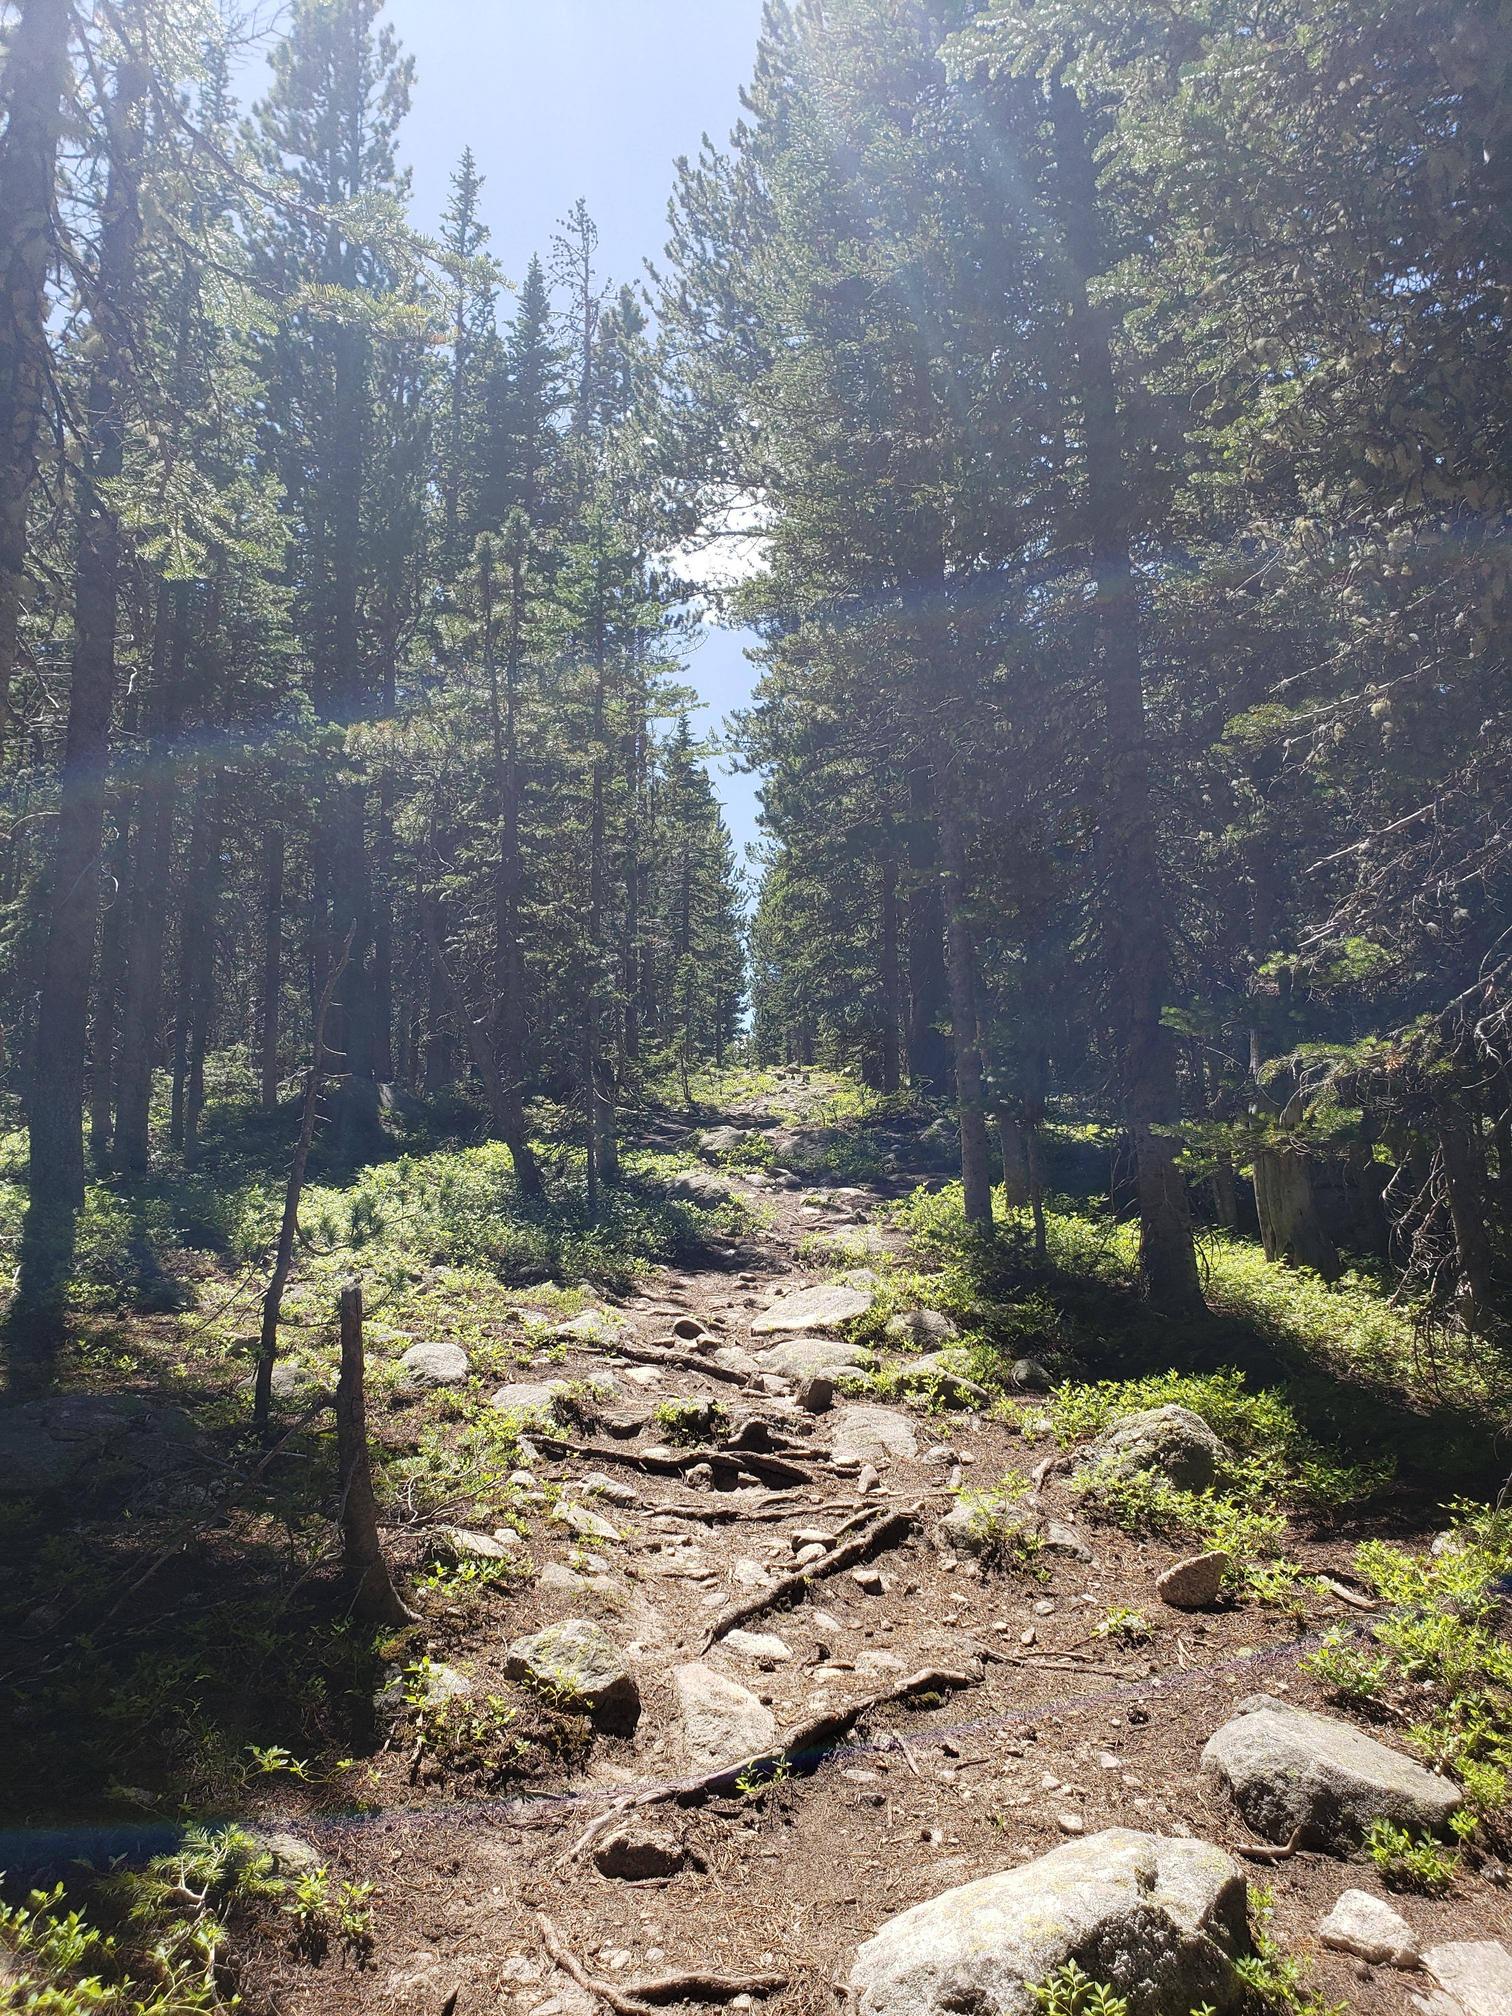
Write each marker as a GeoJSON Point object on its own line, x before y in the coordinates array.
{"type": "Point", "coordinates": [772, 1685]}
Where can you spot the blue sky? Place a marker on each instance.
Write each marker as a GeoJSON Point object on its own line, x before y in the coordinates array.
{"type": "Point", "coordinates": [596, 98]}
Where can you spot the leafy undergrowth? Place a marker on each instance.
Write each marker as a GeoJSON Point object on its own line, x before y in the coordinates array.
{"type": "Point", "coordinates": [1436, 1664]}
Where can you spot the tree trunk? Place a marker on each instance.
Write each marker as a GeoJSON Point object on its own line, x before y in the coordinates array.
{"type": "Point", "coordinates": [1464, 1181]}
{"type": "Point", "coordinates": [272, 966]}
{"type": "Point", "coordinates": [928, 1047]}
{"type": "Point", "coordinates": [976, 1178]}
{"type": "Point", "coordinates": [149, 920]}
{"type": "Point", "coordinates": [892, 976]}
{"type": "Point", "coordinates": [1290, 1228]}
{"type": "Point", "coordinates": [113, 937]}
{"type": "Point", "coordinates": [283, 1259]}
{"type": "Point", "coordinates": [1015, 1162]}
{"type": "Point", "coordinates": [73, 893]}
{"type": "Point", "coordinates": [194, 931]}
{"type": "Point", "coordinates": [1136, 926]}
{"type": "Point", "coordinates": [375, 1600]}
{"type": "Point", "coordinates": [33, 90]}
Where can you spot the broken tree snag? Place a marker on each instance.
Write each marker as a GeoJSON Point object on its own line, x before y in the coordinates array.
{"type": "Point", "coordinates": [887, 1531]}
{"type": "Point", "coordinates": [374, 1597]}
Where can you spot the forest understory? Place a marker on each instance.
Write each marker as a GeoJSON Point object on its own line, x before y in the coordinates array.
{"type": "Point", "coordinates": [975, 1667]}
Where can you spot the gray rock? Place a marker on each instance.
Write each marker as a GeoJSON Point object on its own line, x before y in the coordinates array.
{"type": "Point", "coordinates": [587, 1525]}
{"type": "Point", "coordinates": [285, 1380]}
{"type": "Point", "coordinates": [48, 1445]}
{"type": "Point", "coordinates": [701, 1186]}
{"type": "Point", "coordinates": [1475, 1973]}
{"type": "Point", "coordinates": [718, 1141]}
{"type": "Point", "coordinates": [426, 1365]}
{"type": "Point", "coordinates": [1194, 1584]}
{"type": "Point", "coordinates": [1160, 1921]}
{"type": "Point", "coordinates": [579, 1660]}
{"type": "Point", "coordinates": [872, 1435]}
{"type": "Point", "coordinates": [456, 1543]}
{"type": "Point", "coordinates": [636, 1854]}
{"type": "Point", "coordinates": [921, 1328]}
{"type": "Point", "coordinates": [940, 1370]}
{"type": "Point", "coordinates": [1031, 1375]}
{"type": "Point", "coordinates": [765, 1647]}
{"type": "Point", "coordinates": [1059, 1539]}
{"type": "Point", "coordinates": [611, 1488]}
{"type": "Point", "coordinates": [430, 1685]}
{"type": "Point", "coordinates": [290, 1853]}
{"type": "Point", "coordinates": [722, 1721]}
{"type": "Point", "coordinates": [1286, 1768]}
{"type": "Point", "coordinates": [1172, 1441]}
{"type": "Point", "coordinates": [800, 1357]}
{"type": "Point", "coordinates": [593, 1326]}
{"type": "Point", "coordinates": [735, 1358]}
{"type": "Point", "coordinates": [1368, 1928]}
{"type": "Point", "coordinates": [816, 1393]}
{"type": "Point", "coordinates": [817, 1308]}
{"type": "Point", "coordinates": [531, 1400]}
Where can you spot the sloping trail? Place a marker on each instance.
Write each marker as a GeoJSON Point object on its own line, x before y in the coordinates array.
{"type": "Point", "coordinates": [839, 1715]}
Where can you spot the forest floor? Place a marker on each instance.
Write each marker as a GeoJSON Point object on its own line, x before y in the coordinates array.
{"type": "Point", "coordinates": [931, 1705]}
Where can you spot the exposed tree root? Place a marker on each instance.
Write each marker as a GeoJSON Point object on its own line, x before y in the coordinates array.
{"type": "Point", "coordinates": [638, 1998]}
{"type": "Point", "coordinates": [802, 1748]}
{"type": "Point", "coordinates": [887, 1531]}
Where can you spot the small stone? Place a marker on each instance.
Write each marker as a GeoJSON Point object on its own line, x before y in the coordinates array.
{"type": "Point", "coordinates": [1368, 1927]}
{"type": "Point", "coordinates": [1044, 1607]}
{"type": "Point", "coordinates": [462, 1545]}
{"type": "Point", "coordinates": [1195, 1583]}
{"type": "Point", "coordinates": [812, 1552]}
{"type": "Point", "coordinates": [872, 1435]}
{"type": "Point", "coordinates": [609, 1487]}
{"type": "Point", "coordinates": [1029, 1374]}
{"type": "Point", "coordinates": [816, 1393]}
{"type": "Point", "coordinates": [868, 1480]}
{"type": "Point", "coordinates": [1059, 1539]}
{"type": "Point", "coordinates": [723, 1722]}
{"type": "Point", "coordinates": [869, 1580]}
{"type": "Point", "coordinates": [1071, 1823]}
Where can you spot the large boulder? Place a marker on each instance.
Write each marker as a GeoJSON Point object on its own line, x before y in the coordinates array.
{"type": "Point", "coordinates": [110, 1439]}
{"type": "Point", "coordinates": [722, 1721]}
{"type": "Point", "coordinates": [872, 1435]}
{"type": "Point", "coordinates": [1159, 1921]}
{"type": "Point", "coordinates": [1473, 1978]}
{"type": "Point", "coordinates": [819, 1308]}
{"type": "Point", "coordinates": [579, 1661]}
{"type": "Point", "coordinates": [1172, 1442]}
{"type": "Point", "coordinates": [1286, 1768]}
{"type": "Point", "coordinates": [720, 1141]}
{"type": "Point", "coordinates": [921, 1329]}
{"type": "Point", "coordinates": [701, 1186]}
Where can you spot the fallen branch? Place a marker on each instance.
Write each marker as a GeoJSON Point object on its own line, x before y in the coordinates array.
{"type": "Point", "coordinates": [886, 1532]}
{"type": "Point", "coordinates": [682, 1361]}
{"type": "Point", "coordinates": [1346, 1594]}
{"type": "Point", "coordinates": [673, 1464]}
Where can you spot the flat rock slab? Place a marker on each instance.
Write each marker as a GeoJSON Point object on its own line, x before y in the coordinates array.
{"type": "Point", "coordinates": [1194, 1584]}
{"type": "Point", "coordinates": [1371, 1930]}
{"type": "Point", "coordinates": [48, 1444]}
{"type": "Point", "coordinates": [531, 1400]}
{"type": "Point", "coordinates": [802, 1357]}
{"type": "Point", "coordinates": [812, 1309]}
{"type": "Point", "coordinates": [701, 1186]}
{"type": "Point", "coordinates": [1286, 1768]}
{"type": "Point", "coordinates": [640, 1854]}
{"type": "Point", "coordinates": [426, 1365]}
{"type": "Point", "coordinates": [921, 1329]}
{"type": "Point", "coordinates": [1475, 1974]}
{"type": "Point", "coordinates": [1160, 1921]}
{"type": "Point", "coordinates": [580, 1662]}
{"type": "Point", "coordinates": [872, 1435]}
{"type": "Point", "coordinates": [722, 1721]}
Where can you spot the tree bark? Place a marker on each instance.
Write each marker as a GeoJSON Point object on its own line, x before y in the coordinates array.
{"type": "Point", "coordinates": [73, 894]}
{"type": "Point", "coordinates": [928, 1047]}
{"type": "Point", "coordinates": [892, 976]}
{"type": "Point", "coordinates": [375, 1600]}
{"type": "Point", "coordinates": [112, 966]}
{"type": "Point", "coordinates": [976, 1178]}
{"type": "Point", "coordinates": [1290, 1228]}
{"type": "Point", "coordinates": [283, 1259]}
{"type": "Point", "coordinates": [1136, 926]}
{"type": "Point", "coordinates": [33, 91]}
{"type": "Point", "coordinates": [272, 966]}
{"type": "Point", "coordinates": [1464, 1182]}
{"type": "Point", "coordinates": [149, 918]}
{"type": "Point", "coordinates": [1015, 1162]}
